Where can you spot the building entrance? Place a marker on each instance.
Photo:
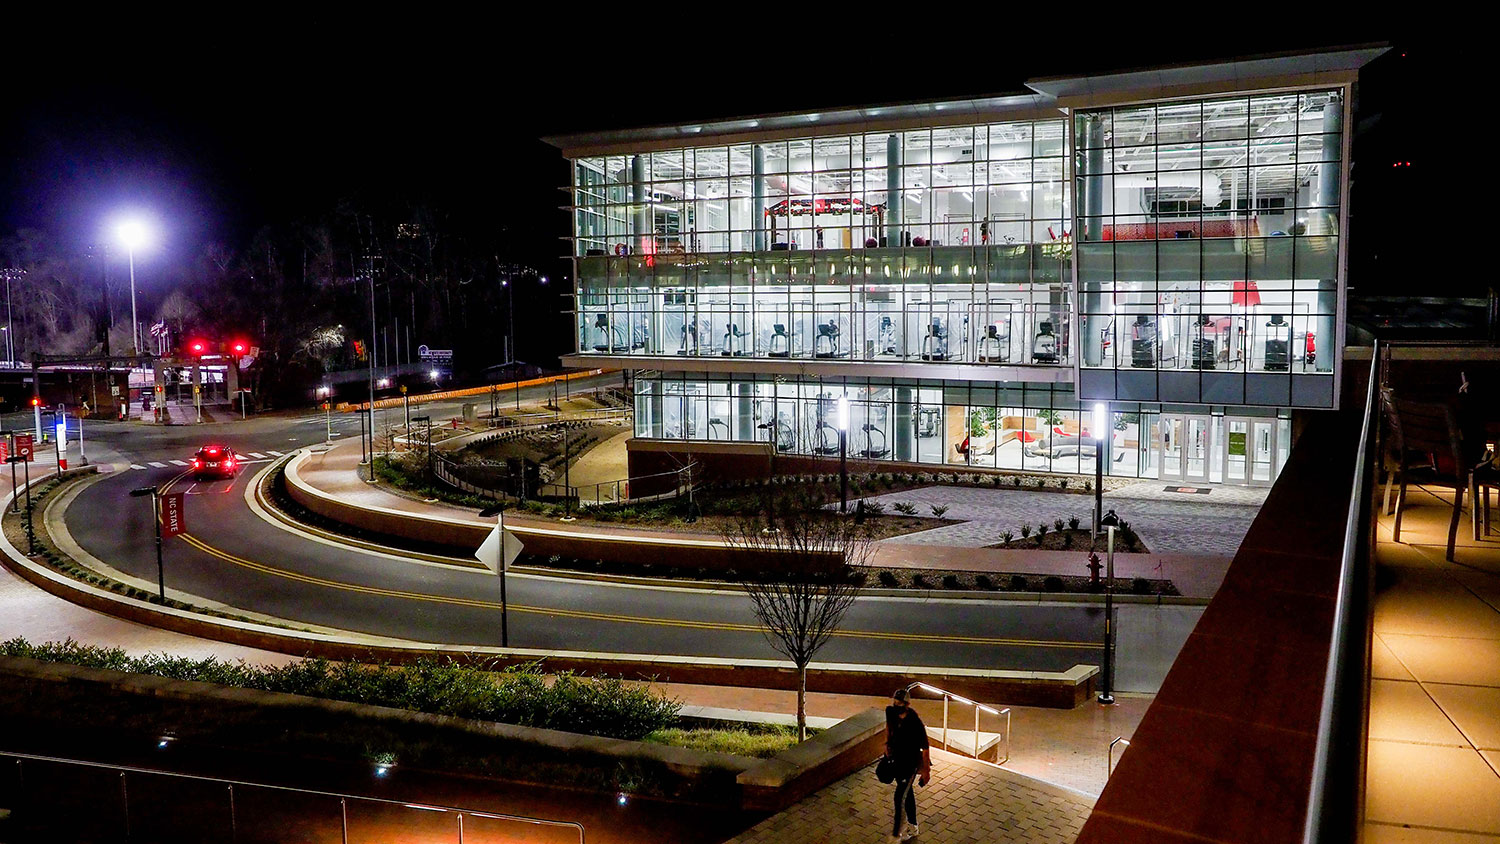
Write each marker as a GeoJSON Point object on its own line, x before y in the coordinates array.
{"type": "Point", "coordinates": [1199, 448]}
{"type": "Point", "coordinates": [1183, 440]}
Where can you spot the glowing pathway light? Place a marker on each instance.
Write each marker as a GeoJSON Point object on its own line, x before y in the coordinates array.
{"type": "Point", "coordinates": [133, 233]}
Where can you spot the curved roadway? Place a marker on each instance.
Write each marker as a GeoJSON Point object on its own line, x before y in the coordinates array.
{"type": "Point", "coordinates": [235, 556]}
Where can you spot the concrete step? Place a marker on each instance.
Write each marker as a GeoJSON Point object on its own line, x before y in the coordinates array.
{"type": "Point", "coordinates": [962, 741]}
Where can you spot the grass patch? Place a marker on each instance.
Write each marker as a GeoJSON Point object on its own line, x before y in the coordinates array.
{"type": "Point", "coordinates": [760, 741]}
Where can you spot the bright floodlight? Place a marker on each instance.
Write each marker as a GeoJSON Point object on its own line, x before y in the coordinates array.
{"type": "Point", "coordinates": [843, 414]}
{"type": "Point", "coordinates": [1100, 421]}
{"type": "Point", "coordinates": [133, 233]}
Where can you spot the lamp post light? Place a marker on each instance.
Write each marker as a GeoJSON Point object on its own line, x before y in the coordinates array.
{"type": "Point", "coordinates": [11, 274]}
{"type": "Point", "coordinates": [843, 426]}
{"type": "Point", "coordinates": [510, 312]}
{"type": "Point", "coordinates": [1101, 427]}
{"type": "Point", "coordinates": [155, 493]}
{"type": "Point", "coordinates": [1107, 677]}
{"type": "Point", "coordinates": [133, 234]}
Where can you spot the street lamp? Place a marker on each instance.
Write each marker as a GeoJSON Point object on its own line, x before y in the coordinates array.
{"type": "Point", "coordinates": [133, 234]}
{"type": "Point", "coordinates": [10, 274]}
{"type": "Point", "coordinates": [161, 579]}
{"type": "Point", "coordinates": [1101, 423]}
{"type": "Point", "coordinates": [843, 425]}
{"type": "Point", "coordinates": [1107, 677]}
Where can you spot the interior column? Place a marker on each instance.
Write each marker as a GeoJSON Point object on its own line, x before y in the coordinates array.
{"type": "Point", "coordinates": [892, 190]}
{"type": "Point", "coordinates": [1328, 195]}
{"type": "Point", "coordinates": [641, 203]}
{"type": "Point", "coordinates": [758, 197]}
{"type": "Point", "coordinates": [1093, 205]}
{"type": "Point", "coordinates": [904, 426]}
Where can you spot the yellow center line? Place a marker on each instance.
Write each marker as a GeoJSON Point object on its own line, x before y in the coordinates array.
{"type": "Point", "coordinates": [588, 615]}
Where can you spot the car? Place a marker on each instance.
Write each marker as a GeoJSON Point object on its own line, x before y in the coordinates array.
{"type": "Point", "coordinates": [215, 461]}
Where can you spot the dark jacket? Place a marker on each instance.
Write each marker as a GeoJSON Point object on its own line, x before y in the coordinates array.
{"type": "Point", "coordinates": [907, 739]}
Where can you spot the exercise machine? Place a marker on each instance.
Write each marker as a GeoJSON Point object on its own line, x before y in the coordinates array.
{"type": "Point", "coordinates": [886, 336]}
{"type": "Point", "coordinates": [1203, 345]}
{"type": "Point", "coordinates": [1044, 346]}
{"type": "Point", "coordinates": [732, 333]}
{"type": "Point", "coordinates": [716, 422]}
{"type": "Point", "coordinates": [607, 337]}
{"type": "Point", "coordinates": [689, 344]}
{"type": "Point", "coordinates": [870, 451]}
{"type": "Point", "coordinates": [1278, 345]}
{"type": "Point", "coordinates": [782, 349]}
{"type": "Point", "coordinates": [828, 439]}
{"type": "Point", "coordinates": [994, 346]}
{"type": "Point", "coordinates": [935, 343]}
{"type": "Point", "coordinates": [826, 344]}
{"type": "Point", "coordinates": [786, 440]}
{"type": "Point", "coordinates": [928, 419]}
{"type": "Point", "coordinates": [1143, 342]}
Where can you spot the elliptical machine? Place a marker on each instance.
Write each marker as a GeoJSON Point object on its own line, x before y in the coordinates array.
{"type": "Point", "coordinates": [935, 344]}
{"type": "Point", "coordinates": [689, 344]}
{"type": "Point", "coordinates": [887, 336]}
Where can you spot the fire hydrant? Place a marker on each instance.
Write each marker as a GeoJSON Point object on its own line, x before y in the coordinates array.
{"type": "Point", "coordinates": [1094, 568]}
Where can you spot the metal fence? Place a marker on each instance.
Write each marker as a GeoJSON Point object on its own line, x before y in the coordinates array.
{"type": "Point", "coordinates": [74, 800]}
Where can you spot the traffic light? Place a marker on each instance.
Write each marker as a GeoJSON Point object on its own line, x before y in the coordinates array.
{"type": "Point", "coordinates": [36, 402]}
{"type": "Point", "coordinates": [359, 350]}
{"type": "Point", "coordinates": [239, 347]}
{"type": "Point", "coordinates": [197, 347]}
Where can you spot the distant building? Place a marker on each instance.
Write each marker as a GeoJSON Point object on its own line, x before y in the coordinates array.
{"type": "Point", "coordinates": [975, 275]}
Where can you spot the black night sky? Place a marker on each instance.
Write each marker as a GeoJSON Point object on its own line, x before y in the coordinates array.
{"type": "Point", "coordinates": [266, 124]}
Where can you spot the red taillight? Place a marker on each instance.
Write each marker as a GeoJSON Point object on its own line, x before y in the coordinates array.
{"type": "Point", "coordinates": [197, 464]}
{"type": "Point", "coordinates": [229, 463]}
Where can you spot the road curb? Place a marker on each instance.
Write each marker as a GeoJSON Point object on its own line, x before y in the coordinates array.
{"type": "Point", "coordinates": [1062, 689]}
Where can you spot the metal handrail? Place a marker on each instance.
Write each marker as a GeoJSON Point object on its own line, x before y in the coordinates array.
{"type": "Point", "coordinates": [1109, 767]}
{"type": "Point", "coordinates": [978, 707]}
{"type": "Point", "coordinates": [1326, 820]}
{"type": "Point", "coordinates": [342, 797]}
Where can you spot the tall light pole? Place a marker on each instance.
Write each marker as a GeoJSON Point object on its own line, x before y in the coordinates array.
{"type": "Point", "coordinates": [1101, 420]}
{"type": "Point", "coordinates": [1107, 677]}
{"type": "Point", "coordinates": [11, 274]}
{"type": "Point", "coordinates": [843, 425]}
{"type": "Point", "coordinates": [133, 234]}
{"type": "Point", "coordinates": [510, 312]}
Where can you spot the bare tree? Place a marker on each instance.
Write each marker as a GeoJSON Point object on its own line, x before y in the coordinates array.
{"type": "Point", "coordinates": [801, 568]}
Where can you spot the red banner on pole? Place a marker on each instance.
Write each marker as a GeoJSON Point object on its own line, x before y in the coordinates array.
{"type": "Point", "coordinates": [172, 522]}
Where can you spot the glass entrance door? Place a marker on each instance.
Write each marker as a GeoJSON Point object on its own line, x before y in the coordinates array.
{"type": "Point", "coordinates": [1263, 452]}
{"type": "Point", "coordinates": [1237, 451]}
{"type": "Point", "coordinates": [1184, 443]}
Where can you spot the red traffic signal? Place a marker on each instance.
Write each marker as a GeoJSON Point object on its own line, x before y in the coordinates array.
{"type": "Point", "coordinates": [36, 402]}
{"type": "Point", "coordinates": [197, 347]}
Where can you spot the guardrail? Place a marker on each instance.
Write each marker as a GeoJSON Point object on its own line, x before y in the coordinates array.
{"type": "Point", "coordinates": [1337, 785]}
{"type": "Point", "coordinates": [1109, 766]}
{"type": "Point", "coordinates": [235, 820]}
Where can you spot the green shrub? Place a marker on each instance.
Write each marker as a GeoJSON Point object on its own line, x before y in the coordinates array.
{"type": "Point", "coordinates": [1007, 536]}
{"type": "Point", "coordinates": [1025, 531]}
{"type": "Point", "coordinates": [888, 580]}
{"type": "Point", "coordinates": [920, 581]}
{"type": "Point", "coordinates": [1062, 484]}
{"type": "Point", "coordinates": [1088, 486]}
{"type": "Point", "coordinates": [939, 509]}
{"type": "Point", "coordinates": [1140, 586]}
{"type": "Point", "coordinates": [983, 581]}
{"type": "Point", "coordinates": [1072, 523]}
{"type": "Point", "coordinates": [905, 509]}
{"type": "Point", "coordinates": [517, 695]}
{"type": "Point", "coordinates": [629, 514]}
{"type": "Point", "coordinates": [1018, 583]}
{"type": "Point", "coordinates": [1052, 583]}
{"type": "Point", "coordinates": [874, 508]}
{"type": "Point", "coordinates": [1057, 525]}
{"type": "Point", "coordinates": [1016, 480]}
{"type": "Point", "coordinates": [951, 582]}
{"type": "Point", "coordinates": [1041, 530]}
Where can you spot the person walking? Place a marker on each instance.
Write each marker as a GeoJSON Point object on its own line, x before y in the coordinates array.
{"type": "Point", "coordinates": [906, 745]}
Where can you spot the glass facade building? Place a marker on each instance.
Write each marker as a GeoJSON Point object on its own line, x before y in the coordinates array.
{"type": "Point", "coordinates": [972, 275]}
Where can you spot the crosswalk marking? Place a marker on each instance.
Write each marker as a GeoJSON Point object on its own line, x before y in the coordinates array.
{"type": "Point", "coordinates": [277, 453]}
{"type": "Point", "coordinates": [157, 464]}
{"type": "Point", "coordinates": [257, 455]}
{"type": "Point", "coordinates": [179, 462]}
{"type": "Point", "coordinates": [137, 466]}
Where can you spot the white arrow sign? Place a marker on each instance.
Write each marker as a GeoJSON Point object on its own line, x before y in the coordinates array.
{"type": "Point", "coordinates": [489, 551]}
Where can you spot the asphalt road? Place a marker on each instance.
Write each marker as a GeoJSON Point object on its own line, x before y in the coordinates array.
{"type": "Point", "coordinates": [233, 556]}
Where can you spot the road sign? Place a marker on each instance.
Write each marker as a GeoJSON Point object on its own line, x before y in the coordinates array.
{"type": "Point", "coordinates": [172, 520]}
{"type": "Point", "coordinates": [489, 552]}
{"type": "Point", "coordinates": [24, 447]}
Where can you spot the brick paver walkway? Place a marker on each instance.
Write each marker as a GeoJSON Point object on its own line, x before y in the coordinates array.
{"type": "Point", "coordinates": [965, 802]}
{"type": "Point", "coordinates": [1170, 523]}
